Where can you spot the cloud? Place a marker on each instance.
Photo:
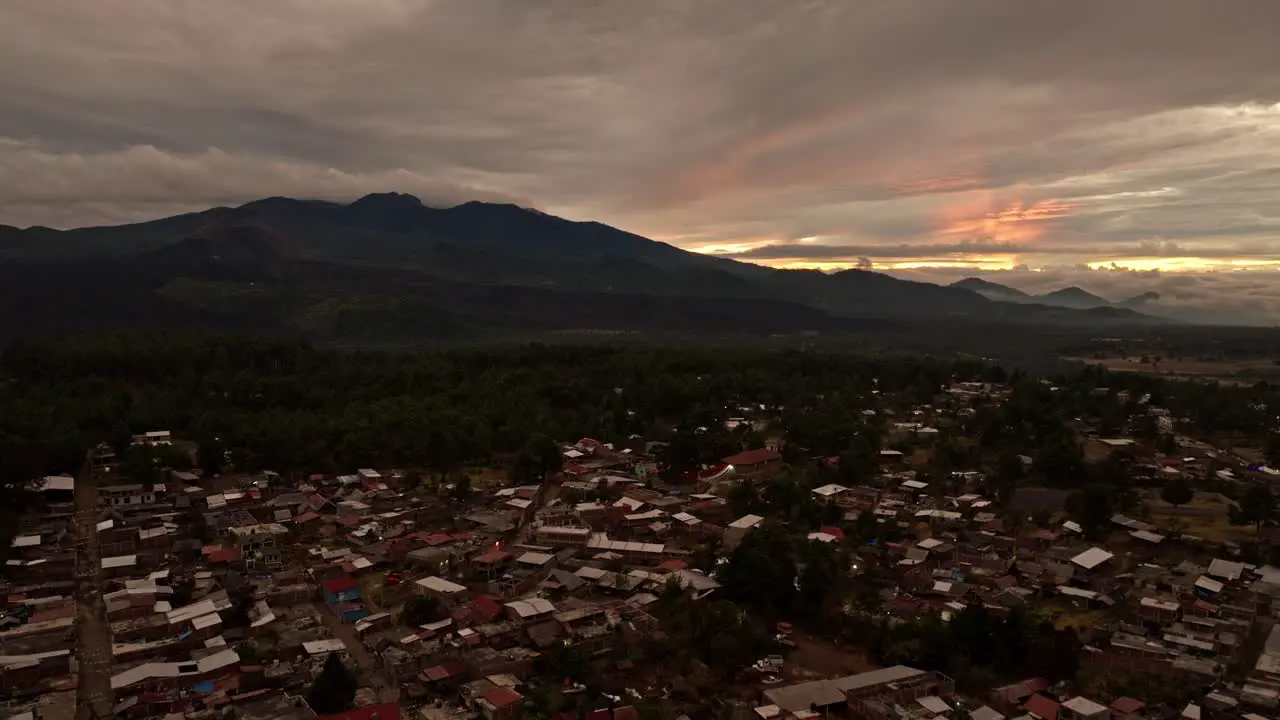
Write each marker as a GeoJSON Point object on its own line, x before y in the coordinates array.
{"type": "Point", "coordinates": [1009, 132]}
{"type": "Point", "coordinates": [1237, 297]}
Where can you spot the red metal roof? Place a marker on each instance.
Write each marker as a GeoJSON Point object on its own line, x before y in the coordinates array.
{"type": "Point", "coordinates": [1127, 705]}
{"type": "Point", "coordinates": [501, 697]}
{"type": "Point", "coordinates": [341, 584]}
{"type": "Point", "coordinates": [1042, 707]}
{"type": "Point", "coordinates": [224, 555]}
{"type": "Point", "coordinates": [752, 457]}
{"type": "Point", "coordinates": [485, 608]}
{"type": "Point", "coordinates": [493, 556]}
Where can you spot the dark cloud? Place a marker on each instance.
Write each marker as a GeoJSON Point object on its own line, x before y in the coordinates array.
{"type": "Point", "coordinates": [1045, 132]}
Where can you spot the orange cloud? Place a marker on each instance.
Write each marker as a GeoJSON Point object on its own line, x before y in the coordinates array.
{"type": "Point", "coordinates": [1014, 223]}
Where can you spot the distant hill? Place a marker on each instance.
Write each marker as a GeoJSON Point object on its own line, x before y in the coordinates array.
{"type": "Point", "coordinates": [1069, 297]}
{"type": "Point", "coordinates": [389, 267]}
{"type": "Point", "coordinates": [992, 290]}
{"type": "Point", "coordinates": [1073, 297]}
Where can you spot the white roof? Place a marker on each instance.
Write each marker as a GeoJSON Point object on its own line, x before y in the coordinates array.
{"type": "Point", "coordinates": [205, 621]}
{"type": "Point", "coordinates": [1212, 586]}
{"type": "Point", "coordinates": [25, 541]}
{"type": "Point", "coordinates": [1226, 569]}
{"type": "Point", "coordinates": [148, 671]}
{"type": "Point", "coordinates": [929, 543]}
{"type": "Point", "coordinates": [746, 522]}
{"type": "Point", "coordinates": [535, 558]}
{"type": "Point", "coordinates": [320, 647]}
{"type": "Point", "coordinates": [531, 607]}
{"type": "Point", "coordinates": [686, 518]}
{"type": "Point", "coordinates": [1146, 535]}
{"type": "Point", "coordinates": [822, 537]}
{"type": "Point", "coordinates": [520, 503]}
{"type": "Point", "coordinates": [1084, 707]}
{"type": "Point", "coordinates": [58, 482]}
{"type": "Point", "coordinates": [934, 704]}
{"type": "Point", "coordinates": [572, 454]}
{"type": "Point", "coordinates": [119, 561]}
{"type": "Point", "coordinates": [1159, 604]}
{"type": "Point", "coordinates": [600, 541]}
{"type": "Point", "coordinates": [440, 585]}
{"type": "Point", "coordinates": [629, 502]}
{"type": "Point", "coordinates": [830, 489]}
{"type": "Point", "coordinates": [1092, 558]}
{"type": "Point", "coordinates": [915, 484]}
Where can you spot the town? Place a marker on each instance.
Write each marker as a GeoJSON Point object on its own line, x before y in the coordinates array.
{"type": "Point", "coordinates": [987, 546]}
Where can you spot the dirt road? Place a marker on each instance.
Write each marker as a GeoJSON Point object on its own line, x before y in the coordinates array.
{"type": "Point", "coordinates": [93, 650]}
{"type": "Point", "coordinates": [370, 668]}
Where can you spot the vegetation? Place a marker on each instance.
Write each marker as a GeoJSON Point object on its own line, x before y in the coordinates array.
{"type": "Point", "coordinates": [421, 610]}
{"type": "Point", "coordinates": [334, 689]}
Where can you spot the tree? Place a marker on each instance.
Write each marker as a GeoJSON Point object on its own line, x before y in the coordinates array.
{"type": "Point", "coordinates": [761, 571]}
{"type": "Point", "coordinates": [1177, 492]}
{"type": "Point", "coordinates": [1271, 449]}
{"type": "Point", "coordinates": [421, 610]}
{"type": "Point", "coordinates": [1092, 507]}
{"type": "Point", "coordinates": [462, 487]}
{"type": "Point", "coordinates": [821, 581]}
{"type": "Point", "coordinates": [1257, 507]}
{"type": "Point", "coordinates": [334, 690]}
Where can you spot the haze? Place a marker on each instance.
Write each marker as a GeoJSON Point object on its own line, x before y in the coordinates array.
{"type": "Point", "coordinates": [1123, 146]}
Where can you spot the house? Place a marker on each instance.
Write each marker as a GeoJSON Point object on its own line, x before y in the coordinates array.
{"type": "Point", "coordinates": [754, 463]}
{"type": "Point", "coordinates": [738, 529]}
{"type": "Point", "coordinates": [1082, 708]}
{"type": "Point", "coordinates": [500, 703]}
{"type": "Point", "coordinates": [342, 595]}
{"type": "Point", "coordinates": [126, 495]}
{"type": "Point", "coordinates": [259, 545]}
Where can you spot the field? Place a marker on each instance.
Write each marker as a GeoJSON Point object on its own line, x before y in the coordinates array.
{"type": "Point", "coordinates": [1246, 371]}
{"type": "Point", "coordinates": [814, 658]}
{"type": "Point", "coordinates": [1066, 615]}
{"type": "Point", "coordinates": [1204, 519]}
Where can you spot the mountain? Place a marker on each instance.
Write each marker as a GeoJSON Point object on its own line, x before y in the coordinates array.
{"type": "Point", "coordinates": [1140, 301]}
{"type": "Point", "coordinates": [994, 291]}
{"type": "Point", "coordinates": [1069, 297]}
{"type": "Point", "coordinates": [389, 268]}
{"type": "Point", "coordinates": [1073, 297]}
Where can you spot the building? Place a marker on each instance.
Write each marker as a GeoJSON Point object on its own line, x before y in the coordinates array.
{"type": "Point", "coordinates": [738, 529]}
{"type": "Point", "coordinates": [342, 595]}
{"type": "Point", "coordinates": [754, 463]}
{"type": "Point", "coordinates": [259, 545]}
{"type": "Point", "coordinates": [857, 691]}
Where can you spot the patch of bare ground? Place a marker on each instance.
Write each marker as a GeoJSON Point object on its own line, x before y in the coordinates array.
{"type": "Point", "coordinates": [816, 658]}
{"type": "Point", "coordinates": [1246, 371]}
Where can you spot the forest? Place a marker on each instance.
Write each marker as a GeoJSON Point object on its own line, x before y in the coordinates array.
{"type": "Point", "coordinates": [287, 406]}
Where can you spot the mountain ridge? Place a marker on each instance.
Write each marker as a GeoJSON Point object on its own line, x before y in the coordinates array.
{"type": "Point", "coordinates": [298, 264]}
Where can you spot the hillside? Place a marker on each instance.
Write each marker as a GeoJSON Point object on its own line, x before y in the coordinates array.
{"type": "Point", "coordinates": [388, 267]}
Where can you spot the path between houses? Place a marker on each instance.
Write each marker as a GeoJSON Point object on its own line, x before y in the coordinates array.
{"type": "Point", "coordinates": [370, 668]}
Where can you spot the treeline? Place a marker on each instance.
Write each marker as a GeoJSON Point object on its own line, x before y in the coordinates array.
{"type": "Point", "coordinates": [285, 405]}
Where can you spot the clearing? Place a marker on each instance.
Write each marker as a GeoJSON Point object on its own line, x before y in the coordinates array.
{"type": "Point", "coordinates": [814, 658]}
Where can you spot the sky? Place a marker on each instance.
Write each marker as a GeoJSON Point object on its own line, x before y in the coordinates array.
{"type": "Point", "coordinates": [1119, 145]}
